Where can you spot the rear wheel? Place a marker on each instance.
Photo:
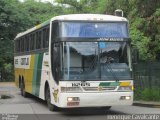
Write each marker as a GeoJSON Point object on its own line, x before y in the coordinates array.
{"type": "Point", "coordinates": [23, 92]}
{"type": "Point", "coordinates": [106, 107]}
{"type": "Point", "coordinates": [48, 99]}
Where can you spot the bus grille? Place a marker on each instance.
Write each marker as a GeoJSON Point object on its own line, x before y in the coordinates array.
{"type": "Point", "coordinates": [99, 88]}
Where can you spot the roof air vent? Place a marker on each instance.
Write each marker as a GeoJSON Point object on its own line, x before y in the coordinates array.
{"type": "Point", "coordinates": [118, 12]}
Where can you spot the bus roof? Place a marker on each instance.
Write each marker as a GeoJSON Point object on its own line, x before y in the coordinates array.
{"type": "Point", "coordinates": [76, 17]}
{"type": "Point", "coordinates": [81, 17]}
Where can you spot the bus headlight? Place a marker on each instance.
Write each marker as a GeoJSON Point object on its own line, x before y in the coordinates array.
{"type": "Point", "coordinates": [125, 88]}
{"type": "Point", "coordinates": [125, 98]}
{"type": "Point", "coordinates": [73, 99]}
{"type": "Point", "coordinates": [71, 89]}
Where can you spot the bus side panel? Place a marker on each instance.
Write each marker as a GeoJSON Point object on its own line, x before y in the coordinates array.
{"type": "Point", "coordinates": [34, 73]}
{"type": "Point", "coordinates": [20, 69]}
{"type": "Point", "coordinates": [36, 79]}
{"type": "Point", "coordinates": [39, 73]}
{"type": "Point", "coordinates": [18, 75]}
{"type": "Point", "coordinates": [45, 75]}
{"type": "Point", "coordinates": [29, 75]}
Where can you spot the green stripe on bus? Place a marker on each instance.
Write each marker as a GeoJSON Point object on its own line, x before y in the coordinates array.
{"type": "Point", "coordinates": [35, 75]}
{"type": "Point", "coordinates": [109, 84]}
{"type": "Point", "coordinates": [39, 71]}
{"type": "Point", "coordinates": [45, 23]}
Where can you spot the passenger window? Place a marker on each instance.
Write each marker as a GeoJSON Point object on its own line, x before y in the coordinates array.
{"type": "Point", "coordinates": [32, 41]}
{"type": "Point", "coordinates": [45, 37]}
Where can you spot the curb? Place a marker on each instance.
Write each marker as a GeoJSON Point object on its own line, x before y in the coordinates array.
{"type": "Point", "coordinates": [7, 84]}
{"type": "Point", "coordinates": [144, 104]}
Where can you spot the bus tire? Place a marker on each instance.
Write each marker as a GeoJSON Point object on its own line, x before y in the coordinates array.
{"type": "Point", "coordinates": [107, 107]}
{"type": "Point", "coordinates": [48, 100]}
{"type": "Point", "coordinates": [23, 92]}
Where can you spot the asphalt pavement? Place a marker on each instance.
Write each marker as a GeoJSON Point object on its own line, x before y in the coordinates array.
{"type": "Point", "coordinates": [35, 108]}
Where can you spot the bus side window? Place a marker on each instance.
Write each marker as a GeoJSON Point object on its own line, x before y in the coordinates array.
{"type": "Point", "coordinates": [27, 43]}
{"type": "Point", "coordinates": [56, 61]}
{"type": "Point", "coordinates": [40, 39]}
{"type": "Point", "coordinates": [33, 41]}
{"type": "Point", "coordinates": [29, 38]}
{"type": "Point", "coordinates": [55, 53]}
{"type": "Point", "coordinates": [18, 47]}
{"type": "Point", "coordinates": [55, 31]}
{"type": "Point", "coordinates": [22, 45]}
{"type": "Point", "coordinates": [37, 41]}
{"type": "Point", "coordinates": [45, 37]}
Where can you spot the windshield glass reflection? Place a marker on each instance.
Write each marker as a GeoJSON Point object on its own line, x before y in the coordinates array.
{"type": "Point", "coordinates": [94, 61]}
{"type": "Point", "coordinates": [94, 29]}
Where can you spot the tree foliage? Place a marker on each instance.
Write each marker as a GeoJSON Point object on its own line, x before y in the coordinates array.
{"type": "Point", "coordinates": [16, 17]}
{"type": "Point", "coordinates": [143, 15]}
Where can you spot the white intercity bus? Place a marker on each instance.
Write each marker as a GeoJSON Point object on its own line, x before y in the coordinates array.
{"type": "Point", "coordinates": [76, 61]}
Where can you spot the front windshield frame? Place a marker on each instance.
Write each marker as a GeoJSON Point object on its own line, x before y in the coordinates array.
{"type": "Point", "coordinates": [61, 40]}
{"type": "Point", "coordinates": [99, 79]}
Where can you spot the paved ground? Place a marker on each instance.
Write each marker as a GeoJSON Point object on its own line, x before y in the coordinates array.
{"type": "Point", "coordinates": [34, 108]}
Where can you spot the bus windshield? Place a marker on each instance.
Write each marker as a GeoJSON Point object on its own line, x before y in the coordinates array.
{"type": "Point", "coordinates": [94, 29]}
{"type": "Point", "coordinates": [95, 61]}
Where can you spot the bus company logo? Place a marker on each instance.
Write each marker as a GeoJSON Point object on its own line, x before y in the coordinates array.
{"type": "Point", "coordinates": [46, 63]}
{"type": "Point", "coordinates": [100, 88]}
{"type": "Point", "coordinates": [83, 84]}
{"type": "Point", "coordinates": [110, 39]}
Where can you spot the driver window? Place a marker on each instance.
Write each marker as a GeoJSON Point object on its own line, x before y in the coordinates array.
{"type": "Point", "coordinates": [56, 61]}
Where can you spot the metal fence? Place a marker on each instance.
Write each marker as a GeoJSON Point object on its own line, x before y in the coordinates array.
{"type": "Point", "coordinates": [147, 75]}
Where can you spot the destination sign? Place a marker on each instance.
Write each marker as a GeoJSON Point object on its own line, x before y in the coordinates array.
{"type": "Point", "coordinates": [112, 39]}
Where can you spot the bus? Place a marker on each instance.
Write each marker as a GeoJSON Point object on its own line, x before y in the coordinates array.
{"type": "Point", "coordinates": [76, 61]}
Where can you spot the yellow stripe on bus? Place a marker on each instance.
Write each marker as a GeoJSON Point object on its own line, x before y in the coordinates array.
{"type": "Point", "coordinates": [29, 75]}
{"type": "Point", "coordinates": [38, 26]}
{"type": "Point", "coordinates": [125, 83]}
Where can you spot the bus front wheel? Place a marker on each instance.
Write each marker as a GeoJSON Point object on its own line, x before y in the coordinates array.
{"type": "Point", "coordinates": [48, 99]}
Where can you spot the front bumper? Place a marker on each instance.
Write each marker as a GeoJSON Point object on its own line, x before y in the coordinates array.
{"type": "Point", "coordinates": [95, 99]}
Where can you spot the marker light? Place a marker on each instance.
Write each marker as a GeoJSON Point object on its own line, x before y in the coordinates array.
{"type": "Point", "coordinates": [125, 88]}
